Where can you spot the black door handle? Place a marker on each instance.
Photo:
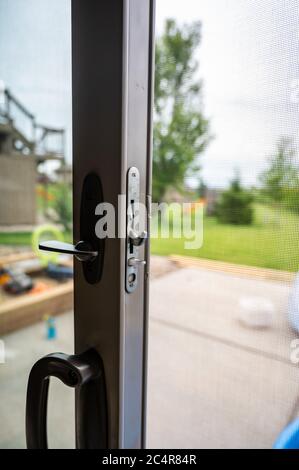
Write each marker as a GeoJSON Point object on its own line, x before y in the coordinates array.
{"type": "Point", "coordinates": [82, 250]}
{"type": "Point", "coordinates": [85, 373]}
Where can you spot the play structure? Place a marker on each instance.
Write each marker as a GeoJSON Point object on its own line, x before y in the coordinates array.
{"type": "Point", "coordinates": [24, 145]}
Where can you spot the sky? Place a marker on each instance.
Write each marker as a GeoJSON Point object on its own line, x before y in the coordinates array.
{"type": "Point", "coordinates": [248, 61]}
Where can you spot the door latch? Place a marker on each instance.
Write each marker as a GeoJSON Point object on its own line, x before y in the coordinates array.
{"type": "Point", "coordinates": [135, 235]}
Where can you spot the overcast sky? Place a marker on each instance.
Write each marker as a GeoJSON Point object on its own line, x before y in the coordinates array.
{"type": "Point", "coordinates": [248, 62]}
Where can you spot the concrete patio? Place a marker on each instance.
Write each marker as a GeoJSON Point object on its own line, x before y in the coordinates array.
{"type": "Point", "coordinates": [213, 383]}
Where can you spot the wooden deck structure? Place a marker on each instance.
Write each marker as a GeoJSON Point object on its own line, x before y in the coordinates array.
{"type": "Point", "coordinates": [24, 145]}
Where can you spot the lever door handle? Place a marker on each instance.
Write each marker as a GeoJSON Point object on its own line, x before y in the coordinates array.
{"type": "Point", "coordinates": [82, 250]}
{"type": "Point", "coordinates": [84, 372]}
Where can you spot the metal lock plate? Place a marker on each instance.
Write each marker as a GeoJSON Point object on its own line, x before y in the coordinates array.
{"type": "Point", "coordinates": [132, 250]}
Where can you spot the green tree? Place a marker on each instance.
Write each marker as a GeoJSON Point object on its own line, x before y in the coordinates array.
{"type": "Point", "coordinates": [201, 189]}
{"type": "Point", "coordinates": [63, 206]}
{"type": "Point", "coordinates": [235, 204]}
{"type": "Point", "coordinates": [181, 132]}
{"type": "Point", "coordinates": [281, 176]}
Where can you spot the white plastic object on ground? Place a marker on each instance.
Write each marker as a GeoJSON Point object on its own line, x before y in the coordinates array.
{"type": "Point", "coordinates": [256, 312]}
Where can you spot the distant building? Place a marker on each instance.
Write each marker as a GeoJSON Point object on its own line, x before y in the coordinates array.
{"type": "Point", "coordinates": [65, 174]}
{"type": "Point", "coordinates": [24, 145]}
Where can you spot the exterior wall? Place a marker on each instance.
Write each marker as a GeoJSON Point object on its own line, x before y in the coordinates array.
{"type": "Point", "coordinates": [17, 190]}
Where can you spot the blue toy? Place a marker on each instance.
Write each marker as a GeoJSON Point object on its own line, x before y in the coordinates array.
{"type": "Point", "coordinates": [289, 438]}
{"type": "Point", "coordinates": [51, 332]}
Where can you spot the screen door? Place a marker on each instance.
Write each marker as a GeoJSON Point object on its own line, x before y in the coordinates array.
{"type": "Point", "coordinates": [223, 364]}
{"type": "Point", "coordinates": [75, 141]}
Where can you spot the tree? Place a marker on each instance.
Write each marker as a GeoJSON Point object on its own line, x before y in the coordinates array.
{"type": "Point", "coordinates": [180, 129]}
{"type": "Point", "coordinates": [201, 189]}
{"type": "Point", "coordinates": [281, 176]}
{"type": "Point", "coordinates": [235, 204]}
{"type": "Point", "coordinates": [63, 206]}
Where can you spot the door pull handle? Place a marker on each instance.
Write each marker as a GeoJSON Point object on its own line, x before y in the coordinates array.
{"type": "Point", "coordinates": [83, 372]}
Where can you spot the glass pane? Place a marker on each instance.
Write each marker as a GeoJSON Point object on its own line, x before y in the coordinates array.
{"type": "Point", "coordinates": [35, 204]}
{"type": "Point", "coordinates": [224, 319]}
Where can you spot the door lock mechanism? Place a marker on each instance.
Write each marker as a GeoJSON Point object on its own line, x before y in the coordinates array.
{"type": "Point", "coordinates": [136, 262]}
{"type": "Point", "coordinates": [135, 237]}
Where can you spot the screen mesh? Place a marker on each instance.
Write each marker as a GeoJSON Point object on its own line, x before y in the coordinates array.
{"type": "Point", "coordinates": [224, 317]}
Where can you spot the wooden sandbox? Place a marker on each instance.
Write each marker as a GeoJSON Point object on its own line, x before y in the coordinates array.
{"type": "Point", "coordinates": [19, 311]}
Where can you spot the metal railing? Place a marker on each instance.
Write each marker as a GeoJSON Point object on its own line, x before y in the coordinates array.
{"type": "Point", "coordinates": [32, 136]}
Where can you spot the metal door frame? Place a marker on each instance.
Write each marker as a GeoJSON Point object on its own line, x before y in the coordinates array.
{"type": "Point", "coordinates": [112, 63]}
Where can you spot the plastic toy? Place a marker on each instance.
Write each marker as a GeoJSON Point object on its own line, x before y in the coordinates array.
{"type": "Point", "coordinates": [289, 438]}
{"type": "Point", "coordinates": [51, 332]}
{"type": "Point", "coordinates": [15, 282]}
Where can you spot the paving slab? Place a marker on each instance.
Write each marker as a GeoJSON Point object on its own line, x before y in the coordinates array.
{"type": "Point", "coordinates": [205, 394]}
{"type": "Point", "coordinates": [23, 348]}
{"type": "Point", "coordinates": [209, 302]}
{"type": "Point", "coordinates": [212, 382]}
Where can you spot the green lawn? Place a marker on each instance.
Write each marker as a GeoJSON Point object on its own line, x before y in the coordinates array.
{"type": "Point", "coordinates": [19, 238]}
{"type": "Point", "coordinates": [271, 242]}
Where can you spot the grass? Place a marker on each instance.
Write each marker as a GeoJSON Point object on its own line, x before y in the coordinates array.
{"type": "Point", "coordinates": [18, 238]}
{"type": "Point", "coordinates": [271, 242]}
{"type": "Point", "coordinates": [21, 238]}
